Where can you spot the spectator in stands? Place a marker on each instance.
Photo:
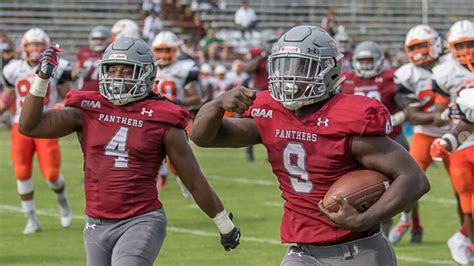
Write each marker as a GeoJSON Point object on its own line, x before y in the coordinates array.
{"type": "Point", "coordinates": [246, 18]}
{"type": "Point", "coordinates": [222, 84]}
{"type": "Point", "coordinates": [329, 22]}
{"type": "Point", "coordinates": [212, 47]}
{"type": "Point", "coordinates": [237, 76]}
{"type": "Point", "coordinates": [152, 25]}
{"type": "Point", "coordinates": [151, 6]}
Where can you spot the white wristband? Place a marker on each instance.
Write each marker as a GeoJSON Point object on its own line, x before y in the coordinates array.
{"type": "Point", "coordinates": [39, 87]}
{"type": "Point", "coordinates": [452, 140]}
{"type": "Point", "coordinates": [398, 118]}
{"type": "Point", "coordinates": [223, 222]}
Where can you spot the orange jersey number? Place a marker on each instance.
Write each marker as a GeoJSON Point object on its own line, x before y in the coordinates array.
{"type": "Point", "coordinates": [427, 99]}
{"type": "Point", "coordinates": [166, 88]}
{"type": "Point", "coordinates": [23, 87]}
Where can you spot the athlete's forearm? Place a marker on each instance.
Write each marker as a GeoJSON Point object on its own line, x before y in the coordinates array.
{"type": "Point", "coordinates": [207, 124]}
{"type": "Point", "coordinates": [32, 110]}
{"type": "Point", "coordinates": [418, 117]}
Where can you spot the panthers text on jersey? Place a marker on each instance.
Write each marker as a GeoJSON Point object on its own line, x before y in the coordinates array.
{"type": "Point", "coordinates": [381, 88]}
{"type": "Point", "coordinates": [172, 80]}
{"type": "Point", "coordinates": [123, 149]}
{"type": "Point", "coordinates": [19, 75]}
{"type": "Point", "coordinates": [449, 78]}
{"type": "Point", "coordinates": [418, 81]}
{"type": "Point", "coordinates": [308, 154]}
{"type": "Point", "coordinates": [89, 62]}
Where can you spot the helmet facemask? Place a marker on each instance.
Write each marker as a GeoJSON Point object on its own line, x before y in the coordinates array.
{"type": "Point", "coordinates": [165, 55]}
{"type": "Point", "coordinates": [298, 79]}
{"type": "Point", "coordinates": [121, 91]}
{"type": "Point", "coordinates": [422, 52]}
{"type": "Point", "coordinates": [463, 50]}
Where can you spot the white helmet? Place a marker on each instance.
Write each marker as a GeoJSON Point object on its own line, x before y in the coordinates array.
{"type": "Point", "coordinates": [165, 47]}
{"type": "Point", "coordinates": [459, 35]}
{"type": "Point", "coordinates": [423, 44]}
{"type": "Point", "coordinates": [125, 28]}
{"type": "Point", "coordinates": [34, 41]}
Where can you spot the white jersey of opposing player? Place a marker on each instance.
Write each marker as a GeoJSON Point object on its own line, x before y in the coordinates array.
{"type": "Point", "coordinates": [452, 77]}
{"type": "Point", "coordinates": [20, 75]}
{"type": "Point", "coordinates": [173, 79]}
{"type": "Point", "coordinates": [419, 81]}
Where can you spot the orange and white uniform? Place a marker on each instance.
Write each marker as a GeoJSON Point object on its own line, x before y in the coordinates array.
{"type": "Point", "coordinates": [417, 81]}
{"type": "Point", "coordinates": [19, 75]}
{"type": "Point", "coordinates": [450, 77]}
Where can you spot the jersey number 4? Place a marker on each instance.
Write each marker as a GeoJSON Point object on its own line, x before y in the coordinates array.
{"type": "Point", "coordinates": [294, 157]}
{"type": "Point", "coordinates": [117, 147]}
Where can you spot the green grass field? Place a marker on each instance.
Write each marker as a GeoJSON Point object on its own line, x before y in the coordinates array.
{"type": "Point", "coordinates": [248, 189]}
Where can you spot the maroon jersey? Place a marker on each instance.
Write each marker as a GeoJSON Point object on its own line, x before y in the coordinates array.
{"type": "Point", "coordinates": [89, 61]}
{"type": "Point", "coordinates": [309, 153]}
{"type": "Point", "coordinates": [123, 149]}
{"type": "Point", "coordinates": [260, 76]}
{"type": "Point", "coordinates": [381, 88]}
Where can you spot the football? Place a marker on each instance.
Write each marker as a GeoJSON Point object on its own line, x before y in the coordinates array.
{"type": "Point", "coordinates": [361, 188]}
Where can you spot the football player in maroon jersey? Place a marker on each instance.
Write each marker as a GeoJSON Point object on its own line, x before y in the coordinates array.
{"type": "Point", "coordinates": [313, 135]}
{"type": "Point", "coordinates": [86, 71]}
{"type": "Point", "coordinates": [125, 132]}
{"type": "Point", "coordinates": [370, 79]}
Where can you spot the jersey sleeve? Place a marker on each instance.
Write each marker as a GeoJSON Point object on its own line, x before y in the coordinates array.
{"type": "Point", "coordinates": [441, 79]}
{"type": "Point", "coordinates": [369, 118]}
{"type": "Point", "coordinates": [8, 73]}
{"type": "Point", "coordinates": [465, 102]}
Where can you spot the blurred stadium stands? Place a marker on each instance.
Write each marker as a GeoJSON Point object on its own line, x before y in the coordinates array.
{"type": "Point", "coordinates": [386, 21]}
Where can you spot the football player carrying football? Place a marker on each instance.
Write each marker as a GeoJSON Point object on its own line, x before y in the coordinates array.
{"type": "Point", "coordinates": [313, 135]}
{"type": "Point", "coordinates": [371, 80]}
{"type": "Point", "coordinates": [125, 131]}
{"type": "Point", "coordinates": [449, 79]}
{"type": "Point", "coordinates": [18, 76]}
{"type": "Point", "coordinates": [415, 96]}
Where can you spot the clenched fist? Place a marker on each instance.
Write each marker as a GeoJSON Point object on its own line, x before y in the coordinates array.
{"type": "Point", "coordinates": [48, 62]}
{"type": "Point", "coordinates": [237, 100]}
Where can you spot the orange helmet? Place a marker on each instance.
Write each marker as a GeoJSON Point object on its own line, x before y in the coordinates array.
{"type": "Point", "coordinates": [423, 44]}
{"type": "Point", "coordinates": [165, 48]}
{"type": "Point", "coordinates": [34, 41]}
{"type": "Point", "coordinates": [461, 42]}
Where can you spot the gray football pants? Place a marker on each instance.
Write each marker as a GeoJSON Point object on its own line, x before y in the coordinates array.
{"type": "Point", "coordinates": [374, 250]}
{"type": "Point", "coordinates": [135, 241]}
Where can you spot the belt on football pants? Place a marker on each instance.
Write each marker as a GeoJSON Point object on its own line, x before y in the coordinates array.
{"type": "Point", "coordinates": [345, 249]}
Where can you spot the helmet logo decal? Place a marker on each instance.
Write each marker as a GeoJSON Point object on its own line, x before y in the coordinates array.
{"type": "Point", "coordinates": [290, 49]}
{"type": "Point", "coordinates": [118, 56]}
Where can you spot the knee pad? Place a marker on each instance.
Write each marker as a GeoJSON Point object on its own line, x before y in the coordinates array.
{"type": "Point", "coordinates": [24, 186]}
{"type": "Point", "coordinates": [57, 184]}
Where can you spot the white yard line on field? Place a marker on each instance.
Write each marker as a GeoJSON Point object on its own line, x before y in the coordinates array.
{"type": "Point", "coordinates": [10, 208]}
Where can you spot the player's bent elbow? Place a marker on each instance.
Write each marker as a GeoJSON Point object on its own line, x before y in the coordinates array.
{"type": "Point", "coordinates": [424, 185]}
{"type": "Point", "coordinates": [25, 129]}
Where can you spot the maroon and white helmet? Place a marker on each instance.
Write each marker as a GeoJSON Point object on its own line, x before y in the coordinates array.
{"type": "Point", "coordinates": [461, 42]}
{"type": "Point", "coordinates": [125, 28]}
{"type": "Point", "coordinates": [423, 44]}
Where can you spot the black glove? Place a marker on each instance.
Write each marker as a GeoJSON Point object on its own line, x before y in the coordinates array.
{"type": "Point", "coordinates": [232, 239]}
{"type": "Point", "coordinates": [48, 61]}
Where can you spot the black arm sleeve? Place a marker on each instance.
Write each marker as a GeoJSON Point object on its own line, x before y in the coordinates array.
{"type": "Point", "coordinates": [437, 89]}
{"type": "Point", "coordinates": [193, 76]}
{"type": "Point", "coordinates": [65, 77]}
{"type": "Point", "coordinates": [404, 96]}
